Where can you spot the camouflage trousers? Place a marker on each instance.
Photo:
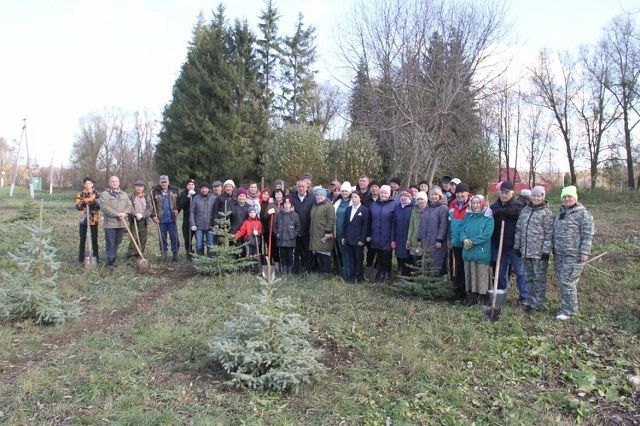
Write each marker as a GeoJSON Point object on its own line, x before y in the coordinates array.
{"type": "Point", "coordinates": [535, 271]}
{"type": "Point", "coordinates": [568, 270]}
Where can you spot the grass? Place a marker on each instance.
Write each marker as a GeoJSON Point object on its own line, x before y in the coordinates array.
{"type": "Point", "coordinates": [138, 354]}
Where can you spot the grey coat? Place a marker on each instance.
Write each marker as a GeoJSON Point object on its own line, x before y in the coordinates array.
{"type": "Point", "coordinates": [434, 226]}
{"type": "Point", "coordinates": [111, 204]}
{"type": "Point", "coordinates": [534, 231]}
{"type": "Point", "coordinates": [287, 228]}
{"type": "Point", "coordinates": [201, 211]}
{"type": "Point", "coordinates": [573, 231]}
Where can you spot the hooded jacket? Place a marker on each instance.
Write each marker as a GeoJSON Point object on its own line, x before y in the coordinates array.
{"type": "Point", "coordinates": [573, 231]}
{"type": "Point", "coordinates": [534, 231]}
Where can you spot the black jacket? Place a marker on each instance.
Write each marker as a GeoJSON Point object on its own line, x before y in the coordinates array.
{"type": "Point", "coordinates": [508, 212]}
{"type": "Point", "coordinates": [303, 208]}
{"type": "Point", "coordinates": [357, 229]}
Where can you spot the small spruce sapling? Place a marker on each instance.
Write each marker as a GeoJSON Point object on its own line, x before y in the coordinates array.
{"type": "Point", "coordinates": [225, 257]}
{"type": "Point", "coordinates": [30, 290]}
{"type": "Point", "coordinates": [266, 347]}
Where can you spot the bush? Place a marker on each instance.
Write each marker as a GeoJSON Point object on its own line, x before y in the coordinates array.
{"type": "Point", "coordinates": [265, 347]}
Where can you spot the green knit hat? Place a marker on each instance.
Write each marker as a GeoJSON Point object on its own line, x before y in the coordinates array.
{"type": "Point", "coordinates": [569, 190]}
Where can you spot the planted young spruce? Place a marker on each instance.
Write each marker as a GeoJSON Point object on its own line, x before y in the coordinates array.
{"type": "Point", "coordinates": [30, 290]}
{"type": "Point", "coordinates": [265, 347]}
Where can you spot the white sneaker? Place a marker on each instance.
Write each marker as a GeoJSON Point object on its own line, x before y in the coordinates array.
{"type": "Point", "coordinates": [562, 317]}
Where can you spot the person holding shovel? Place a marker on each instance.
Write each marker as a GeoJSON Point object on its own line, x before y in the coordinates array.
{"type": "Point", "coordinates": [572, 238]}
{"type": "Point", "coordinates": [533, 243]}
{"type": "Point", "coordinates": [507, 209]}
{"type": "Point", "coordinates": [115, 206]}
{"type": "Point", "coordinates": [250, 231]}
{"type": "Point", "coordinates": [142, 211]}
{"type": "Point", "coordinates": [88, 199]}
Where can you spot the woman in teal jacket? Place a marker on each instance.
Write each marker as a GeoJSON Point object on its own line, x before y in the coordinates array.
{"type": "Point", "coordinates": [475, 234]}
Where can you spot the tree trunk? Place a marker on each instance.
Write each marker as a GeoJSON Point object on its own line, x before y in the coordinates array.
{"type": "Point", "coordinates": [627, 146]}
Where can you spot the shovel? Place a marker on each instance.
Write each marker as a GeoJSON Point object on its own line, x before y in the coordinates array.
{"type": "Point", "coordinates": [142, 263]}
{"type": "Point", "coordinates": [89, 261]}
{"type": "Point", "coordinates": [492, 312]}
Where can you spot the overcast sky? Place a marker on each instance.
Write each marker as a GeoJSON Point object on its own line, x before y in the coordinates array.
{"type": "Point", "coordinates": [63, 59]}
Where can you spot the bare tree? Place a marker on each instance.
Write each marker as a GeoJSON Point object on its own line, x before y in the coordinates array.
{"type": "Point", "coordinates": [327, 103]}
{"type": "Point", "coordinates": [115, 142]}
{"type": "Point", "coordinates": [556, 93]}
{"type": "Point", "coordinates": [594, 105]}
{"type": "Point", "coordinates": [538, 134]}
{"type": "Point", "coordinates": [622, 44]}
{"type": "Point", "coordinates": [427, 64]}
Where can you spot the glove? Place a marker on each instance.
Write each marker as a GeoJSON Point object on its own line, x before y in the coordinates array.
{"type": "Point", "coordinates": [194, 228]}
{"type": "Point", "coordinates": [191, 192]}
{"type": "Point", "coordinates": [545, 256]}
{"type": "Point", "coordinates": [518, 253]}
{"type": "Point", "coordinates": [139, 216]}
{"type": "Point", "coordinates": [255, 232]}
{"type": "Point", "coordinates": [393, 245]}
{"type": "Point", "coordinates": [82, 204]}
{"type": "Point", "coordinates": [368, 239]}
{"type": "Point", "coordinates": [271, 211]}
{"type": "Point", "coordinates": [343, 242]}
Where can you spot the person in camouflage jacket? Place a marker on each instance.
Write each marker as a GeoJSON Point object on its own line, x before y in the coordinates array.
{"type": "Point", "coordinates": [533, 244]}
{"type": "Point", "coordinates": [88, 198]}
{"type": "Point", "coordinates": [573, 235]}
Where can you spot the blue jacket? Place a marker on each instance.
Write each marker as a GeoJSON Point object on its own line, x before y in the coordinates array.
{"type": "Point", "coordinates": [402, 217]}
{"type": "Point", "coordinates": [357, 229]}
{"type": "Point", "coordinates": [477, 227]}
{"type": "Point", "coordinates": [382, 224]}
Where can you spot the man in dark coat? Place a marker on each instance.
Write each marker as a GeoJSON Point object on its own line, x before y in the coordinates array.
{"type": "Point", "coordinates": [184, 204]}
{"type": "Point", "coordinates": [507, 210]}
{"type": "Point", "coordinates": [302, 202]}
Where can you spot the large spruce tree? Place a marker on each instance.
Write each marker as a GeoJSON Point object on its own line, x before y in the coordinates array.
{"type": "Point", "coordinates": [269, 52]}
{"type": "Point", "coordinates": [216, 124]}
{"type": "Point", "coordinates": [298, 75]}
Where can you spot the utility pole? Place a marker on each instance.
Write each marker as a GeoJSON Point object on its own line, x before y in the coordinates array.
{"type": "Point", "coordinates": [15, 168]}
{"type": "Point", "coordinates": [51, 175]}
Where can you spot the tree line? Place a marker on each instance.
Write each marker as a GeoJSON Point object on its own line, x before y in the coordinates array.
{"type": "Point", "coordinates": [431, 95]}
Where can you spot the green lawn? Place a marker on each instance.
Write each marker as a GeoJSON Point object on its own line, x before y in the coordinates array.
{"type": "Point", "coordinates": [138, 354]}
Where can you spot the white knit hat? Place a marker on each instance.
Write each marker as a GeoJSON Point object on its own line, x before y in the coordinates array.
{"type": "Point", "coordinates": [229, 182]}
{"type": "Point", "coordinates": [346, 186]}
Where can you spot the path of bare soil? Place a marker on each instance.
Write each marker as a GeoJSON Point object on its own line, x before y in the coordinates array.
{"type": "Point", "coordinates": [92, 321]}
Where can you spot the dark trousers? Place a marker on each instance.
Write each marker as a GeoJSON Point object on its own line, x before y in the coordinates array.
{"type": "Point", "coordinates": [324, 263]}
{"type": "Point", "coordinates": [458, 272]}
{"type": "Point", "coordinates": [170, 229]}
{"type": "Point", "coordinates": [371, 255]}
{"type": "Point", "coordinates": [404, 266]}
{"type": "Point", "coordinates": [303, 257]}
{"type": "Point", "coordinates": [113, 238]}
{"type": "Point", "coordinates": [287, 259]}
{"type": "Point", "coordinates": [384, 260]}
{"type": "Point", "coordinates": [355, 255]}
{"type": "Point", "coordinates": [83, 240]}
{"type": "Point", "coordinates": [187, 236]}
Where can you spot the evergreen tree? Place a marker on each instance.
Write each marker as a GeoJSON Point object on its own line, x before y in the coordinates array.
{"type": "Point", "coordinates": [215, 123]}
{"type": "Point", "coordinates": [267, 346]}
{"type": "Point", "coordinates": [30, 291]}
{"type": "Point", "coordinates": [225, 257]}
{"type": "Point", "coordinates": [298, 76]}
{"type": "Point", "coordinates": [269, 53]}
{"type": "Point", "coordinates": [360, 101]}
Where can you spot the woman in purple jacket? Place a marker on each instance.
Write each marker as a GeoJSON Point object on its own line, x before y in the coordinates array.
{"type": "Point", "coordinates": [382, 231]}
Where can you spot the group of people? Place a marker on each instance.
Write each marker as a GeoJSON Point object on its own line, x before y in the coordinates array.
{"type": "Point", "coordinates": [432, 230]}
